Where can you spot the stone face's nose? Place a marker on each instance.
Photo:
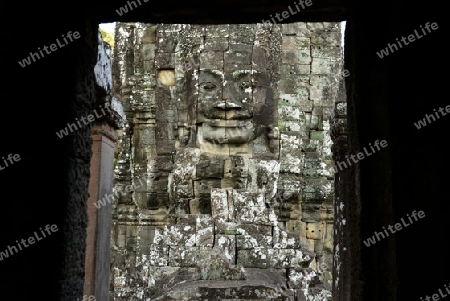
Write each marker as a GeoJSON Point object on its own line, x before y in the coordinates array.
{"type": "Point", "coordinates": [231, 92]}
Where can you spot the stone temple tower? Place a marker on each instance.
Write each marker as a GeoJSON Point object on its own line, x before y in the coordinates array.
{"type": "Point", "coordinates": [224, 178]}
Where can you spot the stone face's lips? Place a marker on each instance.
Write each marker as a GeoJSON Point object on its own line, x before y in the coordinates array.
{"type": "Point", "coordinates": [226, 105]}
{"type": "Point", "coordinates": [230, 123]}
{"type": "Point", "coordinates": [228, 131]}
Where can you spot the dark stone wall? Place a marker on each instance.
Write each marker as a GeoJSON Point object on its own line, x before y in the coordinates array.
{"type": "Point", "coordinates": [49, 185]}
{"type": "Point", "coordinates": [385, 97]}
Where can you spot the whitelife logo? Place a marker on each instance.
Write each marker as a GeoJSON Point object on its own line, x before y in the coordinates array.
{"type": "Point", "coordinates": [10, 158]}
{"type": "Point", "coordinates": [359, 156]}
{"type": "Point", "coordinates": [286, 14]}
{"type": "Point", "coordinates": [423, 122]}
{"type": "Point", "coordinates": [109, 198]}
{"type": "Point", "coordinates": [437, 297]}
{"type": "Point", "coordinates": [411, 38]}
{"type": "Point", "coordinates": [90, 118]}
{"type": "Point", "coordinates": [124, 9]}
{"type": "Point", "coordinates": [53, 47]}
{"type": "Point", "coordinates": [31, 240]}
{"type": "Point", "coordinates": [398, 226]}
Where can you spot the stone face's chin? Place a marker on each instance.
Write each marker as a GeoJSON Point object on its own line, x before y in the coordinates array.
{"type": "Point", "coordinates": [228, 131]}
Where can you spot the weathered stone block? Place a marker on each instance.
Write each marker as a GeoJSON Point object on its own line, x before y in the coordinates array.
{"type": "Point", "coordinates": [253, 236]}
{"type": "Point", "coordinates": [321, 66]}
{"type": "Point", "coordinates": [304, 55]}
{"type": "Point", "coordinates": [149, 34]}
{"type": "Point", "coordinates": [180, 235]}
{"type": "Point", "coordinates": [226, 244]}
{"type": "Point", "coordinates": [289, 183]}
{"type": "Point", "coordinates": [309, 146]}
{"type": "Point", "coordinates": [165, 61]}
{"type": "Point", "coordinates": [159, 255]}
{"type": "Point", "coordinates": [290, 258]}
{"type": "Point", "coordinates": [188, 219]}
{"type": "Point", "coordinates": [254, 230]}
{"type": "Point", "coordinates": [148, 67]}
{"type": "Point", "coordinates": [239, 166]}
{"type": "Point", "coordinates": [285, 240]}
{"type": "Point", "coordinates": [301, 71]}
{"type": "Point", "coordinates": [166, 41]}
{"type": "Point", "coordinates": [165, 147]}
{"type": "Point", "coordinates": [311, 212]}
{"type": "Point", "coordinates": [180, 206]}
{"type": "Point", "coordinates": [289, 142]}
{"type": "Point", "coordinates": [211, 60]}
{"type": "Point", "coordinates": [227, 228]}
{"type": "Point", "coordinates": [302, 278]}
{"type": "Point", "coordinates": [254, 215]}
{"type": "Point", "coordinates": [183, 256]}
{"type": "Point", "coordinates": [326, 38]}
{"type": "Point", "coordinates": [266, 172]}
{"type": "Point", "coordinates": [293, 85]}
{"type": "Point", "coordinates": [157, 200]}
{"type": "Point", "coordinates": [323, 51]}
{"type": "Point", "coordinates": [184, 189]}
{"type": "Point", "coordinates": [213, 265]}
{"type": "Point", "coordinates": [253, 258]}
{"type": "Point", "coordinates": [244, 198]}
{"type": "Point", "coordinates": [287, 99]}
{"type": "Point", "coordinates": [259, 59]}
{"type": "Point", "coordinates": [219, 205]}
{"type": "Point", "coordinates": [289, 113]}
{"type": "Point", "coordinates": [204, 187]}
{"type": "Point", "coordinates": [290, 28]}
{"type": "Point", "coordinates": [217, 31]}
{"type": "Point", "coordinates": [205, 231]}
{"type": "Point", "coordinates": [216, 44]}
{"type": "Point", "coordinates": [314, 230]}
{"type": "Point", "coordinates": [253, 241]}
{"type": "Point", "coordinates": [201, 205]}
{"type": "Point", "coordinates": [212, 168]}
{"type": "Point", "coordinates": [290, 57]}
{"type": "Point", "coordinates": [240, 54]}
{"type": "Point", "coordinates": [291, 162]}
{"type": "Point", "coordinates": [242, 33]}
{"type": "Point", "coordinates": [194, 206]}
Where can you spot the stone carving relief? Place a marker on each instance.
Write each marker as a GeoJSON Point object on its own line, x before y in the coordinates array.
{"type": "Point", "coordinates": [231, 191]}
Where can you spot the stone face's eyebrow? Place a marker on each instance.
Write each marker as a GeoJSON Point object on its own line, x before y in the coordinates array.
{"type": "Point", "coordinates": [208, 75]}
{"type": "Point", "coordinates": [240, 73]}
{"type": "Point", "coordinates": [212, 72]}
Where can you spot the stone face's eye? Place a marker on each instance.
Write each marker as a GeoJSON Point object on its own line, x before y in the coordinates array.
{"type": "Point", "coordinates": [208, 86]}
{"type": "Point", "coordinates": [244, 85]}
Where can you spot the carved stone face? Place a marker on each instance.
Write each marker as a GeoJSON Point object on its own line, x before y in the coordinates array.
{"type": "Point", "coordinates": [225, 106]}
{"type": "Point", "coordinates": [226, 96]}
{"type": "Point", "coordinates": [229, 102]}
